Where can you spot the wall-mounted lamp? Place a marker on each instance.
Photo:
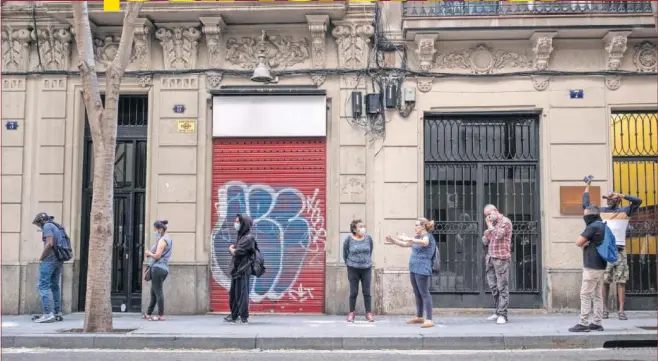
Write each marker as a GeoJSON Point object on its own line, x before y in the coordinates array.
{"type": "Point", "coordinates": [262, 70]}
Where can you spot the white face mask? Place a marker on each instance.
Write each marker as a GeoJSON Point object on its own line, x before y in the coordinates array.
{"type": "Point", "coordinates": [236, 226]}
{"type": "Point", "coordinates": [156, 234]}
{"type": "Point", "coordinates": [362, 231]}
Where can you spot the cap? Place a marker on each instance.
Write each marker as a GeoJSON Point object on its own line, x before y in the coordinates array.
{"type": "Point", "coordinates": [41, 217]}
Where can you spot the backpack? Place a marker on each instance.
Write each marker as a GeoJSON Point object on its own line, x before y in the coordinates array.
{"type": "Point", "coordinates": [65, 253]}
{"type": "Point", "coordinates": [608, 248]}
{"type": "Point", "coordinates": [436, 260]}
{"type": "Point", "coordinates": [258, 264]}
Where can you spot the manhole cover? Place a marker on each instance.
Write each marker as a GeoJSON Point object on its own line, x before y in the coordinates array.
{"type": "Point", "coordinates": [648, 328]}
{"type": "Point", "coordinates": [80, 330]}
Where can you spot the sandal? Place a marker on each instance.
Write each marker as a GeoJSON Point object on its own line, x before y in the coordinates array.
{"type": "Point", "coordinates": [622, 316]}
{"type": "Point", "coordinates": [605, 315]}
{"type": "Point", "coordinates": [145, 316]}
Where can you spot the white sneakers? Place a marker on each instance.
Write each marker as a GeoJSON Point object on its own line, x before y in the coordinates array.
{"type": "Point", "coordinates": [46, 318]}
{"type": "Point", "coordinates": [499, 319]}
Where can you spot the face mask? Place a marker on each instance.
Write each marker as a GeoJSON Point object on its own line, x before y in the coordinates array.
{"type": "Point", "coordinates": [591, 218]}
{"type": "Point", "coordinates": [362, 231]}
{"type": "Point", "coordinates": [493, 217]}
{"type": "Point", "coordinates": [236, 226]}
{"type": "Point", "coordinates": [156, 234]}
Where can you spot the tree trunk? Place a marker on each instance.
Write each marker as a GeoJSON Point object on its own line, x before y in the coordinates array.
{"type": "Point", "coordinates": [103, 126]}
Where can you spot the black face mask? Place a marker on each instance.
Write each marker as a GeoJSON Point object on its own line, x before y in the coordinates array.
{"type": "Point", "coordinates": [591, 218]}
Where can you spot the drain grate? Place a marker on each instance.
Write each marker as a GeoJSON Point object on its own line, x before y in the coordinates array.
{"type": "Point", "coordinates": [80, 330]}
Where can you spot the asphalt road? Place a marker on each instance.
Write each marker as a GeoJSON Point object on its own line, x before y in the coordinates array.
{"type": "Point", "coordinates": [648, 354]}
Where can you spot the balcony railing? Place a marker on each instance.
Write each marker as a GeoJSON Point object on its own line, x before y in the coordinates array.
{"type": "Point", "coordinates": [494, 8]}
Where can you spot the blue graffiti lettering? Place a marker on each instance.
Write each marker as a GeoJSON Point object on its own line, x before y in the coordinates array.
{"type": "Point", "coordinates": [284, 235]}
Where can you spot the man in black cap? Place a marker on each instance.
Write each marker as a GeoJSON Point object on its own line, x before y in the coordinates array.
{"type": "Point", "coordinates": [50, 269]}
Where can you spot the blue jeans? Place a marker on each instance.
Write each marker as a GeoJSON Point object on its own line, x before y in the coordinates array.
{"type": "Point", "coordinates": [49, 277]}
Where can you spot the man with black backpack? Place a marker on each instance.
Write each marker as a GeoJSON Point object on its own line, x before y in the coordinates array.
{"type": "Point", "coordinates": [56, 250]}
{"type": "Point", "coordinates": [591, 300]}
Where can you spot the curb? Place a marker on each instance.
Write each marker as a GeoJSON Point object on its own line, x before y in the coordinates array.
{"type": "Point", "coordinates": [211, 342]}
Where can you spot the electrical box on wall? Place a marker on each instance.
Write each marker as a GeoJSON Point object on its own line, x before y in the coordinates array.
{"type": "Point", "coordinates": [391, 95]}
{"type": "Point", "coordinates": [373, 104]}
{"type": "Point", "coordinates": [408, 95]}
{"type": "Point", "coordinates": [357, 105]}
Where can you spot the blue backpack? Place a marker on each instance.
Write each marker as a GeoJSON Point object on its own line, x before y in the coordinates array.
{"type": "Point", "coordinates": [608, 248]}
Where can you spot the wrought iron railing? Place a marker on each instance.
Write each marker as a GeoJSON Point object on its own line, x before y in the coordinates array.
{"type": "Point", "coordinates": [492, 8]}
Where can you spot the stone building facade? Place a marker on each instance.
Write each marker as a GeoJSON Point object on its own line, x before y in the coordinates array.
{"type": "Point", "coordinates": [504, 103]}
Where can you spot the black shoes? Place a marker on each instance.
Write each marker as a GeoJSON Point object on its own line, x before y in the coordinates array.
{"type": "Point", "coordinates": [579, 328]}
{"type": "Point", "coordinates": [594, 327]}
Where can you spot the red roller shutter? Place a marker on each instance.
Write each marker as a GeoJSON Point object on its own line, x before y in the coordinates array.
{"type": "Point", "coordinates": [281, 184]}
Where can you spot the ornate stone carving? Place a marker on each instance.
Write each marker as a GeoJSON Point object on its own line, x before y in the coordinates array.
{"type": "Point", "coordinates": [15, 48]}
{"type": "Point", "coordinates": [280, 51]}
{"type": "Point", "coordinates": [184, 82]}
{"type": "Point", "coordinates": [482, 60]}
{"type": "Point", "coordinates": [54, 47]}
{"type": "Point", "coordinates": [212, 29]}
{"type": "Point", "coordinates": [424, 84]}
{"type": "Point", "coordinates": [180, 43]}
{"type": "Point", "coordinates": [145, 81]}
{"type": "Point", "coordinates": [317, 25]}
{"type": "Point", "coordinates": [425, 51]}
{"type": "Point", "coordinates": [615, 45]}
{"type": "Point", "coordinates": [105, 50]}
{"type": "Point", "coordinates": [645, 56]}
{"type": "Point", "coordinates": [214, 79]}
{"type": "Point", "coordinates": [540, 83]}
{"type": "Point", "coordinates": [352, 39]}
{"type": "Point", "coordinates": [613, 82]}
{"type": "Point", "coordinates": [542, 46]}
{"type": "Point", "coordinates": [142, 44]}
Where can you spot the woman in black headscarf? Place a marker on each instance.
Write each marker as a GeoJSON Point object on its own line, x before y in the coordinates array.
{"type": "Point", "coordinates": [242, 253]}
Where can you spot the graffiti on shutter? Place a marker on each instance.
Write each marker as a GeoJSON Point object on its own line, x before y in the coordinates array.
{"type": "Point", "coordinates": [289, 224]}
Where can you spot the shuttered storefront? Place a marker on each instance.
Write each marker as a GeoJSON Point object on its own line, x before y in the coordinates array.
{"type": "Point", "coordinates": [281, 184]}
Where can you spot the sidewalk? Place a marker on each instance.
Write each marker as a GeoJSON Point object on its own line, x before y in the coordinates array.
{"type": "Point", "coordinates": [472, 332]}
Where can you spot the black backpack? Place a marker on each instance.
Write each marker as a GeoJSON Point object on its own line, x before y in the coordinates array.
{"type": "Point", "coordinates": [62, 254]}
{"type": "Point", "coordinates": [258, 264]}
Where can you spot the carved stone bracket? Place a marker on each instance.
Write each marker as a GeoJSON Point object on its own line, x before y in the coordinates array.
{"type": "Point", "coordinates": [180, 45]}
{"type": "Point", "coordinates": [482, 60]}
{"type": "Point", "coordinates": [317, 25]}
{"type": "Point", "coordinates": [616, 46]}
{"type": "Point", "coordinates": [540, 83]}
{"type": "Point", "coordinates": [142, 43]}
{"type": "Point", "coordinates": [542, 47]}
{"type": "Point", "coordinates": [424, 84]}
{"type": "Point", "coordinates": [645, 56]}
{"type": "Point", "coordinates": [212, 29]}
{"type": "Point", "coordinates": [425, 50]}
{"type": "Point", "coordinates": [214, 79]}
{"type": "Point", "coordinates": [280, 51]}
{"type": "Point", "coordinates": [15, 48]}
{"type": "Point", "coordinates": [353, 38]}
{"type": "Point", "coordinates": [54, 46]}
